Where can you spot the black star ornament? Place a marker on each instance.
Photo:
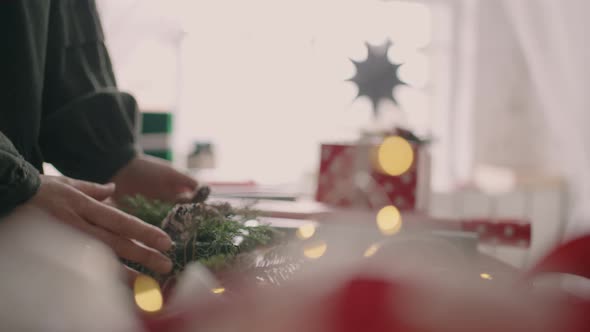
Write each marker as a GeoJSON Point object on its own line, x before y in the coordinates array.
{"type": "Point", "coordinates": [376, 77]}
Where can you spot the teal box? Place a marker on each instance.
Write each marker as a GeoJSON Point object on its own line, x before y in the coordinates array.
{"type": "Point", "coordinates": [163, 154]}
{"type": "Point", "coordinates": [156, 123]}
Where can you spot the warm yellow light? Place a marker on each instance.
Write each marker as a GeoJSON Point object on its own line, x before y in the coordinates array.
{"type": "Point", "coordinates": [306, 231]}
{"type": "Point", "coordinates": [389, 220]}
{"type": "Point", "coordinates": [218, 290]}
{"type": "Point", "coordinates": [486, 276]}
{"type": "Point", "coordinates": [315, 251]}
{"type": "Point", "coordinates": [148, 295]}
{"type": "Point", "coordinates": [371, 250]}
{"type": "Point", "coordinates": [395, 156]}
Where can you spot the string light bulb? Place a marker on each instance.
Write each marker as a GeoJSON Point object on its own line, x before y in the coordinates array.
{"type": "Point", "coordinates": [306, 231]}
{"type": "Point", "coordinates": [147, 293]}
{"type": "Point", "coordinates": [316, 250]}
{"type": "Point", "coordinates": [395, 156]}
{"type": "Point", "coordinates": [486, 276]}
{"type": "Point", "coordinates": [371, 250]}
{"type": "Point", "coordinates": [389, 220]}
{"type": "Point", "coordinates": [218, 290]}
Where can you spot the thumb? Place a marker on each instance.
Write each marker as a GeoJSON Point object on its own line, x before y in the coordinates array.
{"type": "Point", "coordinates": [184, 183]}
{"type": "Point", "coordinates": [99, 192]}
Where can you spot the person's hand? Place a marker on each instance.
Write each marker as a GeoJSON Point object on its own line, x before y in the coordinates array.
{"type": "Point", "coordinates": [79, 204]}
{"type": "Point", "coordinates": [153, 178]}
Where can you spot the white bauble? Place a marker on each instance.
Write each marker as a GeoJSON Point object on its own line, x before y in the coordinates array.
{"type": "Point", "coordinates": [55, 278]}
{"type": "Point", "coordinates": [194, 286]}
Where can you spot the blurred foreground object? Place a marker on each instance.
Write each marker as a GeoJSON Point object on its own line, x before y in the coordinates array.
{"type": "Point", "coordinates": [351, 279]}
{"type": "Point", "coordinates": [499, 193]}
{"type": "Point", "coordinates": [57, 279]}
{"type": "Point", "coordinates": [415, 284]}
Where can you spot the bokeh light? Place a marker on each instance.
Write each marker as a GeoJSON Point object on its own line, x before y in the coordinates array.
{"type": "Point", "coordinates": [218, 290]}
{"type": "Point", "coordinates": [315, 250]}
{"type": "Point", "coordinates": [237, 240]}
{"type": "Point", "coordinates": [395, 156]}
{"type": "Point", "coordinates": [389, 220]}
{"type": "Point", "coordinates": [148, 295]}
{"type": "Point", "coordinates": [486, 276]}
{"type": "Point", "coordinates": [252, 223]}
{"type": "Point", "coordinates": [305, 231]}
{"type": "Point", "coordinates": [371, 250]}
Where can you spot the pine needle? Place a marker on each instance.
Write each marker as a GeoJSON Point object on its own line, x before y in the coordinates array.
{"type": "Point", "coordinates": [219, 234]}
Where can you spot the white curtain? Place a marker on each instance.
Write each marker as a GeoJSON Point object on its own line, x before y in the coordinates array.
{"type": "Point", "coordinates": [530, 102]}
{"type": "Point", "coordinates": [555, 45]}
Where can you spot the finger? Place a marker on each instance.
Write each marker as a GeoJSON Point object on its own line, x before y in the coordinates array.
{"type": "Point", "coordinates": [97, 191]}
{"type": "Point", "coordinates": [182, 198]}
{"type": "Point", "coordinates": [124, 247]}
{"type": "Point", "coordinates": [184, 182]}
{"type": "Point", "coordinates": [180, 181]}
{"type": "Point", "coordinates": [125, 225]}
{"type": "Point", "coordinates": [130, 275]}
{"type": "Point", "coordinates": [110, 202]}
{"type": "Point", "coordinates": [184, 189]}
{"type": "Point", "coordinates": [133, 251]}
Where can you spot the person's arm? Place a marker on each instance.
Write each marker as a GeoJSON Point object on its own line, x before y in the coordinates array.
{"type": "Point", "coordinates": [19, 180]}
{"type": "Point", "coordinates": [88, 127]}
{"type": "Point", "coordinates": [22, 27]}
{"type": "Point", "coordinates": [92, 137]}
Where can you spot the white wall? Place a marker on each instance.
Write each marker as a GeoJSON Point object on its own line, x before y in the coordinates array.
{"type": "Point", "coordinates": [265, 80]}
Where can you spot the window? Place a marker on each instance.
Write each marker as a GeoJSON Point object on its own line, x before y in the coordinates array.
{"type": "Point", "coordinates": [264, 80]}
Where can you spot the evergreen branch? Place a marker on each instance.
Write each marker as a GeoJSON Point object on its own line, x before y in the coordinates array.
{"type": "Point", "coordinates": [217, 235]}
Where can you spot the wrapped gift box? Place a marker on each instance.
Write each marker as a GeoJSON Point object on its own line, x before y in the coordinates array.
{"type": "Point", "coordinates": [514, 232]}
{"type": "Point", "coordinates": [156, 134]}
{"type": "Point", "coordinates": [510, 232]}
{"type": "Point", "coordinates": [349, 177]}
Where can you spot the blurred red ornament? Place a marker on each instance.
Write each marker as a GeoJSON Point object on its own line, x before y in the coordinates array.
{"type": "Point", "coordinates": [365, 304]}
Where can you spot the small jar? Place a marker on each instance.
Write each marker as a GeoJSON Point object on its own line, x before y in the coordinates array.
{"type": "Point", "coordinates": [202, 156]}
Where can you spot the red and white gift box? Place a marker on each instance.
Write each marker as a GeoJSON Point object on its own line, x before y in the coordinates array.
{"type": "Point", "coordinates": [514, 232]}
{"type": "Point", "coordinates": [349, 178]}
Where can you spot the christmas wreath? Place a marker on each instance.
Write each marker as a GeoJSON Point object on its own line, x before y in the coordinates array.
{"type": "Point", "coordinates": [213, 234]}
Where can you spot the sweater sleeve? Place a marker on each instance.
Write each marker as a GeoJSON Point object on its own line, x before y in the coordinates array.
{"type": "Point", "coordinates": [92, 137]}
{"type": "Point", "coordinates": [88, 125]}
{"type": "Point", "coordinates": [19, 180]}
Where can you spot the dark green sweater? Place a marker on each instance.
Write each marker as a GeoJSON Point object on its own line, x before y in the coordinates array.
{"type": "Point", "coordinates": [58, 98]}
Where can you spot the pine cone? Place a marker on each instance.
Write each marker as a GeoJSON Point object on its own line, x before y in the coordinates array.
{"type": "Point", "coordinates": [201, 194]}
{"type": "Point", "coordinates": [180, 221]}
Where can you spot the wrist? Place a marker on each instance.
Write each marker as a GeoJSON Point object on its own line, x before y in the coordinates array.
{"type": "Point", "coordinates": [107, 167]}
